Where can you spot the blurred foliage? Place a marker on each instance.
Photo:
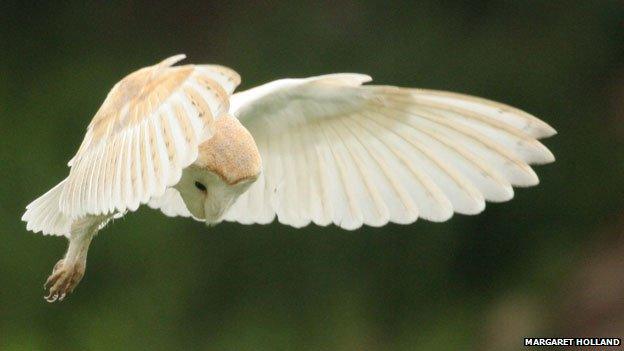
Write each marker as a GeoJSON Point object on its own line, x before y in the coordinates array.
{"type": "Point", "coordinates": [172, 284]}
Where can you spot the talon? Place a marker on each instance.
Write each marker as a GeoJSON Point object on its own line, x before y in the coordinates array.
{"type": "Point", "coordinates": [63, 280]}
{"type": "Point", "coordinates": [51, 299]}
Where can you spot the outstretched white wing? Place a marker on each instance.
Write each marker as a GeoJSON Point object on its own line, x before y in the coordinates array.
{"type": "Point", "coordinates": [147, 130]}
{"type": "Point", "coordinates": [336, 151]}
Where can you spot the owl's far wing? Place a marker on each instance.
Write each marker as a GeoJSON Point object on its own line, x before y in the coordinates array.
{"type": "Point", "coordinates": [336, 151]}
{"type": "Point", "coordinates": [147, 130]}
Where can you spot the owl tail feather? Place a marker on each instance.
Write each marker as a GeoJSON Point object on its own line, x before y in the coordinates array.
{"type": "Point", "coordinates": [44, 214]}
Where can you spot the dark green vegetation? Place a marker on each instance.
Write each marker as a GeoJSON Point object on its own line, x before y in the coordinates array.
{"type": "Point", "coordinates": [548, 263]}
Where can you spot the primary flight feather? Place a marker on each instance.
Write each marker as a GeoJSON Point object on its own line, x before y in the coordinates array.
{"type": "Point", "coordinates": [323, 150]}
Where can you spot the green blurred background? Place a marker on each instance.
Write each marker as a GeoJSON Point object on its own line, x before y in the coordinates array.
{"type": "Point", "coordinates": [549, 263]}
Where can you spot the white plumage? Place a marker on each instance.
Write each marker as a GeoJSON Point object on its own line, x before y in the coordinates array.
{"type": "Point", "coordinates": [326, 149]}
{"type": "Point", "coordinates": [336, 151]}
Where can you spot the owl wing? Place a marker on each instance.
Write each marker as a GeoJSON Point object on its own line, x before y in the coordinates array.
{"type": "Point", "coordinates": [147, 130]}
{"type": "Point", "coordinates": [336, 151]}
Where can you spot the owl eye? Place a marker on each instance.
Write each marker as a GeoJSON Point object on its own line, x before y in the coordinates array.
{"type": "Point", "coordinates": [200, 186]}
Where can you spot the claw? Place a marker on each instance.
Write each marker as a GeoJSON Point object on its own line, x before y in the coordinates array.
{"type": "Point", "coordinates": [51, 298]}
{"type": "Point", "coordinates": [63, 280]}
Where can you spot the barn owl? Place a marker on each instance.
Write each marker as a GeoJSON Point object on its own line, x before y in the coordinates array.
{"type": "Point", "coordinates": [325, 150]}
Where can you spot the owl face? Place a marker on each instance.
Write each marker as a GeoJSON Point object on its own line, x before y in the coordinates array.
{"type": "Point", "coordinates": [226, 166]}
{"type": "Point", "coordinates": [206, 195]}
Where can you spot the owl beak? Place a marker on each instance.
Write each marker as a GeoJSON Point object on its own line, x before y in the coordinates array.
{"type": "Point", "coordinates": [214, 210]}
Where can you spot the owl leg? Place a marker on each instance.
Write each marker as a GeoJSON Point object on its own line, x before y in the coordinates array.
{"type": "Point", "coordinates": [68, 271]}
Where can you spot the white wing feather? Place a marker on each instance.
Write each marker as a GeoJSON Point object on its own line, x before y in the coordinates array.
{"type": "Point", "coordinates": [147, 130]}
{"type": "Point", "coordinates": [145, 133]}
{"type": "Point", "coordinates": [336, 151]}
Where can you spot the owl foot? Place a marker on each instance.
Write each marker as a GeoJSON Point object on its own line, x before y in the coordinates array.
{"type": "Point", "coordinates": [63, 280]}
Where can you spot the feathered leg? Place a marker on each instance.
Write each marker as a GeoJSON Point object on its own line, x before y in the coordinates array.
{"type": "Point", "coordinates": [68, 271]}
